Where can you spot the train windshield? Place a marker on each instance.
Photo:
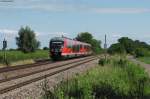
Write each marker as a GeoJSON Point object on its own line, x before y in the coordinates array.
{"type": "Point", "coordinates": [56, 45]}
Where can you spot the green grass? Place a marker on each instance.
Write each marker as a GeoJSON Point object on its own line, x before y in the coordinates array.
{"type": "Point", "coordinates": [145, 59]}
{"type": "Point", "coordinates": [13, 56]}
{"type": "Point", "coordinates": [118, 78]}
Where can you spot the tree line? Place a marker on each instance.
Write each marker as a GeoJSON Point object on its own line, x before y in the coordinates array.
{"type": "Point", "coordinates": [129, 46]}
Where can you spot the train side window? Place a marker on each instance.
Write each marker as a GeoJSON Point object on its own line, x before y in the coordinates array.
{"type": "Point", "coordinates": [73, 48]}
{"type": "Point", "coordinates": [69, 45]}
{"type": "Point", "coordinates": [78, 47]}
{"type": "Point", "coordinates": [84, 46]}
{"type": "Point", "coordinates": [88, 48]}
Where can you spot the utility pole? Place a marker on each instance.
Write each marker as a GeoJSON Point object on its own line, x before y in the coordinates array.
{"type": "Point", "coordinates": [105, 46]}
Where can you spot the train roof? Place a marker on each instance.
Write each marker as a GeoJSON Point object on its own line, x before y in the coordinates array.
{"type": "Point", "coordinates": [57, 38]}
{"type": "Point", "coordinates": [63, 38]}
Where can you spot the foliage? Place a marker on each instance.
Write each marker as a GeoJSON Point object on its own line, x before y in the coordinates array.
{"type": "Point", "coordinates": [141, 52]}
{"type": "Point", "coordinates": [14, 56]}
{"type": "Point", "coordinates": [1, 58]}
{"type": "Point", "coordinates": [103, 61]}
{"type": "Point", "coordinates": [26, 40]}
{"type": "Point", "coordinates": [96, 46]}
{"type": "Point", "coordinates": [120, 78]}
{"type": "Point", "coordinates": [11, 49]}
{"type": "Point", "coordinates": [142, 44]}
{"type": "Point", "coordinates": [127, 45]}
{"type": "Point", "coordinates": [45, 48]}
{"type": "Point", "coordinates": [145, 59]}
{"type": "Point", "coordinates": [88, 38]}
{"type": "Point", "coordinates": [84, 37]}
{"type": "Point", "coordinates": [116, 48]}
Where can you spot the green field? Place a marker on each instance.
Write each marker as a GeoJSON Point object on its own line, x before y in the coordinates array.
{"type": "Point", "coordinates": [14, 56]}
{"type": "Point", "coordinates": [118, 78]}
{"type": "Point", "coordinates": [145, 59]}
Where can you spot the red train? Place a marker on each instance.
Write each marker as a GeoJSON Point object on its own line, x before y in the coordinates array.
{"type": "Point", "coordinates": [62, 47]}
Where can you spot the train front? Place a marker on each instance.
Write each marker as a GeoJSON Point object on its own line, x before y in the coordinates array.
{"type": "Point", "coordinates": [56, 46]}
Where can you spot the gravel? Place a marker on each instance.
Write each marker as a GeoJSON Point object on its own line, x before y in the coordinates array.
{"type": "Point", "coordinates": [35, 90]}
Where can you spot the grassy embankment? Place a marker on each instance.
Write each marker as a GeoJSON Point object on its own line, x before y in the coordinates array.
{"type": "Point", "coordinates": [18, 57]}
{"type": "Point", "coordinates": [117, 78]}
{"type": "Point", "coordinates": [145, 59]}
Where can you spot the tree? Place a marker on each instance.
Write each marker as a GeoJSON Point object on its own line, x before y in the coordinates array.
{"type": "Point", "coordinates": [26, 41]}
{"type": "Point", "coordinates": [96, 45]}
{"type": "Point", "coordinates": [142, 44]}
{"type": "Point", "coordinates": [88, 38]}
{"type": "Point", "coordinates": [85, 37]}
{"type": "Point", "coordinates": [128, 44]}
{"type": "Point", "coordinates": [45, 48]}
{"type": "Point", "coordinates": [116, 48]}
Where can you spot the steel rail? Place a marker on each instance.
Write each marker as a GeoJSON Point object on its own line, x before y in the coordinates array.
{"type": "Point", "coordinates": [38, 71]}
{"type": "Point", "coordinates": [7, 69]}
{"type": "Point", "coordinates": [2, 91]}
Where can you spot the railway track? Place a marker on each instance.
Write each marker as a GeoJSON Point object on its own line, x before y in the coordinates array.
{"type": "Point", "coordinates": [27, 78]}
{"type": "Point", "coordinates": [18, 73]}
{"type": "Point", "coordinates": [7, 69]}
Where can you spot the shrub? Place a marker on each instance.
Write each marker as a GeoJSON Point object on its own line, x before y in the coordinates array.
{"type": "Point", "coordinates": [139, 52]}
{"type": "Point", "coordinates": [1, 59]}
{"type": "Point", "coordinates": [103, 61]}
{"type": "Point", "coordinates": [120, 62]}
{"type": "Point", "coordinates": [45, 48]}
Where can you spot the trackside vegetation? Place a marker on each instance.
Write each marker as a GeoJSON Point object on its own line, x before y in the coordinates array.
{"type": "Point", "coordinates": [117, 78]}
{"type": "Point", "coordinates": [13, 56]}
{"type": "Point", "coordinates": [145, 59]}
{"type": "Point", "coordinates": [26, 40]}
{"type": "Point", "coordinates": [129, 46]}
{"type": "Point", "coordinates": [125, 45]}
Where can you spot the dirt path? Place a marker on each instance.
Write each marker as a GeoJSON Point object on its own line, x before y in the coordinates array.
{"type": "Point", "coordinates": [146, 66]}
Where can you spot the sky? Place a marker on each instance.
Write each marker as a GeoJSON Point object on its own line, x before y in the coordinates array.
{"type": "Point", "coordinates": [50, 18]}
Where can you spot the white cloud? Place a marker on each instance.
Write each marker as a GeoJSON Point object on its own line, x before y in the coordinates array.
{"type": "Point", "coordinates": [69, 7]}
{"type": "Point", "coordinates": [116, 35]}
{"type": "Point", "coordinates": [15, 32]}
{"type": "Point", "coordinates": [39, 34]}
{"type": "Point", "coordinates": [121, 10]}
{"type": "Point", "coordinates": [8, 34]}
{"type": "Point", "coordinates": [7, 31]}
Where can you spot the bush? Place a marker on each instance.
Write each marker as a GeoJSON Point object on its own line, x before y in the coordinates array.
{"type": "Point", "coordinates": [45, 48]}
{"type": "Point", "coordinates": [1, 59]}
{"type": "Point", "coordinates": [11, 49]}
{"type": "Point", "coordinates": [116, 48]}
{"type": "Point", "coordinates": [103, 61]}
{"type": "Point", "coordinates": [120, 62]}
{"type": "Point", "coordinates": [140, 52]}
